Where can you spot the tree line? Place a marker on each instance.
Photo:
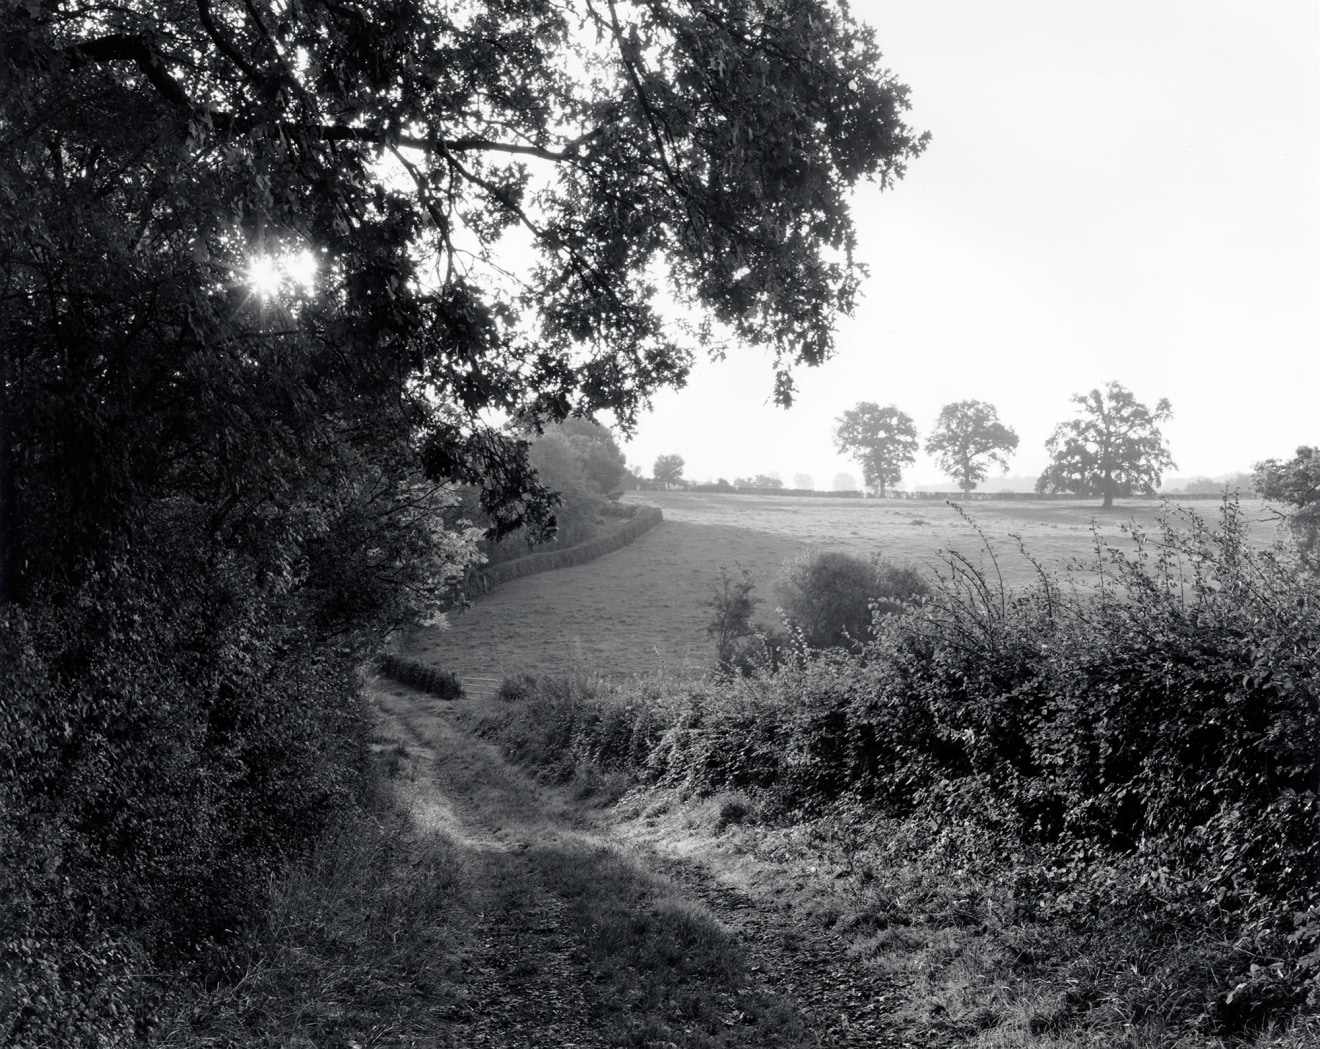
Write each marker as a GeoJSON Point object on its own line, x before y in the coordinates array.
{"type": "Point", "coordinates": [1113, 448]}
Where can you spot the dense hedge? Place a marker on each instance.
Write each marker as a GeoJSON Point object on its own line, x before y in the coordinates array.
{"type": "Point", "coordinates": [637, 523]}
{"type": "Point", "coordinates": [156, 771]}
{"type": "Point", "coordinates": [442, 683]}
{"type": "Point", "coordinates": [1154, 735]}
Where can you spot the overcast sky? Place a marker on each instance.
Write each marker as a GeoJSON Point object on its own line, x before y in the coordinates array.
{"type": "Point", "coordinates": [1127, 190]}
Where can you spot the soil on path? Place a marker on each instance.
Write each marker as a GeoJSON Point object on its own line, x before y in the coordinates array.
{"type": "Point", "coordinates": [589, 931]}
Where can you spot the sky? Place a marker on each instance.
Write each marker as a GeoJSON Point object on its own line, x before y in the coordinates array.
{"type": "Point", "coordinates": [1127, 190]}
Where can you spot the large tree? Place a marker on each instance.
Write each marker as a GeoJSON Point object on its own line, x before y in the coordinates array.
{"type": "Point", "coordinates": [668, 470]}
{"type": "Point", "coordinates": [1114, 448]}
{"type": "Point", "coordinates": [1295, 483]}
{"type": "Point", "coordinates": [968, 437]}
{"type": "Point", "coordinates": [882, 440]}
{"type": "Point", "coordinates": [275, 278]}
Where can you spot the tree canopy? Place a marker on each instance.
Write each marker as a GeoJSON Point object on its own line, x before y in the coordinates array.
{"type": "Point", "coordinates": [1114, 448]}
{"type": "Point", "coordinates": [277, 280]}
{"type": "Point", "coordinates": [405, 152]}
{"type": "Point", "coordinates": [968, 437]}
{"type": "Point", "coordinates": [882, 440]}
{"type": "Point", "coordinates": [668, 469]}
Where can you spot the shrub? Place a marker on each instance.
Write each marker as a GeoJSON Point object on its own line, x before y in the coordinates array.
{"type": "Point", "coordinates": [732, 603]}
{"type": "Point", "coordinates": [830, 597]}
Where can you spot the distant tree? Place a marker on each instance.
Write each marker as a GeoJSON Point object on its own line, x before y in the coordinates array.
{"type": "Point", "coordinates": [1215, 485]}
{"type": "Point", "coordinates": [1114, 449]}
{"type": "Point", "coordinates": [1296, 483]}
{"type": "Point", "coordinates": [882, 440]}
{"type": "Point", "coordinates": [668, 470]}
{"type": "Point", "coordinates": [804, 482]}
{"type": "Point", "coordinates": [845, 482]}
{"type": "Point", "coordinates": [968, 437]}
{"type": "Point", "coordinates": [770, 480]}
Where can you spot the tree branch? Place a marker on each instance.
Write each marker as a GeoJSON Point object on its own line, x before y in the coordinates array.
{"type": "Point", "coordinates": [137, 48]}
{"type": "Point", "coordinates": [124, 47]}
{"type": "Point", "coordinates": [226, 48]}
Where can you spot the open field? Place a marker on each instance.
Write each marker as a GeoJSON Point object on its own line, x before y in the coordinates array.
{"type": "Point", "coordinates": [639, 609]}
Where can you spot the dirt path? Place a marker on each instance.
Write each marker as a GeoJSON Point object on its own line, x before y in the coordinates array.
{"type": "Point", "coordinates": [591, 934]}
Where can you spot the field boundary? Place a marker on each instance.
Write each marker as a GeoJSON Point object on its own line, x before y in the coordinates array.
{"type": "Point", "coordinates": [641, 521]}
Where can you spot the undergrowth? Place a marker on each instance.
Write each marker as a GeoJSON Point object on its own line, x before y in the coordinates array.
{"type": "Point", "coordinates": [1129, 763]}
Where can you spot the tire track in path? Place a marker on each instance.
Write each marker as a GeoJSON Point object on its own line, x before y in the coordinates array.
{"type": "Point", "coordinates": [586, 938]}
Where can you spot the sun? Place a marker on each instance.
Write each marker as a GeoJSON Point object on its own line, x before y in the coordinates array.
{"type": "Point", "coordinates": [265, 276]}
{"type": "Point", "coordinates": [273, 275]}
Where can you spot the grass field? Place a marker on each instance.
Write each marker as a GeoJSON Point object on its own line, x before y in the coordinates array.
{"type": "Point", "coordinates": [639, 610]}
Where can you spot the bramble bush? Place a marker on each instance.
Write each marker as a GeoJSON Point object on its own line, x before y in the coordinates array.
{"type": "Point", "coordinates": [1150, 734]}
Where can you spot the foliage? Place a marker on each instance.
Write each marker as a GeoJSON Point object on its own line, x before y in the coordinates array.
{"type": "Point", "coordinates": [1114, 449]}
{"type": "Point", "coordinates": [636, 524]}
{"type": "Point", "coordinates": [844, 482]}
{"type": "Point", "coordinates": [829, 598]}
{"type": "Point", "coordinates": [968, 437]}
{"type": "Point", "coordinates": [1297, 484]}
{"type": "Point", "coordinates": [599, 457]}
{"type": "Point", "coordinates": [732, 602]}
{"type": "Point", "coordinates": [668, 470]}
{"type": "Point", "coordinates": [804, 482]}
{"type": "Point", "coordinates": [256, 331]}
{"type": "Point", "coordinates": [1141, 755]}
{"type": "Point", "coordinates": [1210, 486]}
{"type": "Point", "coordinates": [882, 440]}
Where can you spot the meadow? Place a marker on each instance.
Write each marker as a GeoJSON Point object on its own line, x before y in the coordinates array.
{"type": "Point", "coordinates": [640, 610]}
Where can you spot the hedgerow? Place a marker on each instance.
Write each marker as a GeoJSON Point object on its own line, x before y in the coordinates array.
{"type": "Point", "coordinates": [636, 524]}
{"type": "Point", "coordinates": [155, 772]}
{"type": "Point", "coordinates": [1141, 747]}
{"type": "Point", "coordinates": [439, 682]}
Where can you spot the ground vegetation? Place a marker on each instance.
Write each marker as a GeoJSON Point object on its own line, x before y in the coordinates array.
{"type": "Point", "coordinates": [1129, 768]}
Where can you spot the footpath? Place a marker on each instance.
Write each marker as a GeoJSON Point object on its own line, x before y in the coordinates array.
{"type": "Point", "coordinates": [588, 926]}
